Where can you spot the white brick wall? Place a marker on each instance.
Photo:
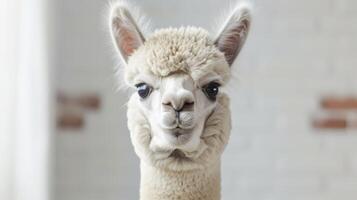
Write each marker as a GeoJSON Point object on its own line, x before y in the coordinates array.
{"type": "Point", "coordinates": [297, 51]}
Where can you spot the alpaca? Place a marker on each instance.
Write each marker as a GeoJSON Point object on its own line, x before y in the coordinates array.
{"type": "Point", "coordinates": [179, 116]}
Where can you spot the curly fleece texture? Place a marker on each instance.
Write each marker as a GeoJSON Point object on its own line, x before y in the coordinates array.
{"type": "Point", "coordinates": [186, 49]}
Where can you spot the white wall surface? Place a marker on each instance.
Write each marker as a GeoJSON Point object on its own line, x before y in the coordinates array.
{"type": "Point", "coordinates": [297, 51]}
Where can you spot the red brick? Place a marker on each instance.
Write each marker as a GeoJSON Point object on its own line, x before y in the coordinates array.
{"type": "Point", "coordinates": [87, 101]}
{"type": "Point", "coordinates": [345, 103]}
{"type": "Point", "coordinates": [330, 123]}
{"type": "Point", "coordinates": [70, 121]}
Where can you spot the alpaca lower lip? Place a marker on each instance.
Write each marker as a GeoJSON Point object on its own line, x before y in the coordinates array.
{"type": "Point", "coordinates": [179, 137]}
{"type": "Point", "coordinates": [179, 131]}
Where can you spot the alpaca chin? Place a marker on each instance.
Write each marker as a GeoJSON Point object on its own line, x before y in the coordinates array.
{"type": "Point", "coordinates": [169, 140]}
{"type": "Point", "coordinates": [178, 138]}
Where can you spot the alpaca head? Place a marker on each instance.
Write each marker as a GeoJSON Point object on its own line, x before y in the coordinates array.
{"type": "Point", "coordinates": [179, 115]}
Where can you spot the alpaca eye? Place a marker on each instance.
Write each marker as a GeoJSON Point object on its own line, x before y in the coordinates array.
{"type": "Point", "coordinates": [143, 89]}
{"type": "Point", "coordinates": [211, 90]}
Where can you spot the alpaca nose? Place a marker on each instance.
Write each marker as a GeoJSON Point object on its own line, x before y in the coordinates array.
{"type": "Point", "coordinates": [179, 102]}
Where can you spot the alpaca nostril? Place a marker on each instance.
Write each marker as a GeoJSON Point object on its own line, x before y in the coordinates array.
{"type": "Point", "coordinates": [167, 104]}
{"type": "Point", "coordinates": [178, 107]}
{"type": "Point", "coordinates": [190, 103]}
{"type": "Point", "coordinates": [188, 106]}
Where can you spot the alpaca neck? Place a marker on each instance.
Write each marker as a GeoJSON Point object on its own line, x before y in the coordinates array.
{"type": "Point", "coordinates": [170, 185]}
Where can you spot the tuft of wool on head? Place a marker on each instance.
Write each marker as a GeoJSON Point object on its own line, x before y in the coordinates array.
{"type": "Point", "coordinates": [173, 50]}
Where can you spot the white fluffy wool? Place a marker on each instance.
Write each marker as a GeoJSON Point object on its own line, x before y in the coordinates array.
{"type": "Point", "coordinates": [187, 49]}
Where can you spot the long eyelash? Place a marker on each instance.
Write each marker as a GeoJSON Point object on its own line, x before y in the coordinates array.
{"type": "Point", "coordinates": [139, 84]}
{"type": "Point", "coordinates": [213, 82]}
{"type": "Point", "coordinates": [218, 84]}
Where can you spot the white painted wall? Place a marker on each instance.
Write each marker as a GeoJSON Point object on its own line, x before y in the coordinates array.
{"type": "Point", "coordinates": [297, 51]}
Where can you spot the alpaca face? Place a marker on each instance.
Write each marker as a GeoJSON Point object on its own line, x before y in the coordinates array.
{"type": "Point", "coordinates": [177, 107]}
{"type": "Point", "coordinates": [179, 116]}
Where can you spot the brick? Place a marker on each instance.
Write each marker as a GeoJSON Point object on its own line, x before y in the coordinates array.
{"type": "Point", "coordinates": [70, 121]}
{"type": "Point", "coordinates": [86, 101]}
{"type": "Point", "coordinates": [345, 103]}
{"type": "Point", "coordinates": [330, 123]}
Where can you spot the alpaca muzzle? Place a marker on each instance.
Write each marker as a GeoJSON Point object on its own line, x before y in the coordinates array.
{"type": "Point", "coordinates": [177, 120]}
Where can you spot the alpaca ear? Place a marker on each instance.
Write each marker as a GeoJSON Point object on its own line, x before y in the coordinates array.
{"type": "Point", "coordinates": [234, 33]}
{"type": "Point", "coordinates": [125, 32]}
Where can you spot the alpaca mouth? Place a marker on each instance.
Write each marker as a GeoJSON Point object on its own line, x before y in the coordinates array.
{"type": "Point", "coordinates": [177, 127]}
{"type": "Point", "coordinates": [177, 133]}
{"type": "Point", "coordinates": [181, 136]}
{"type": "Point", "coordinates": [178, 154]}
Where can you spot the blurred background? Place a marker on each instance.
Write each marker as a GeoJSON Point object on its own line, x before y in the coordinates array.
{"type": "Point", "coordinates": [63, 133]}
